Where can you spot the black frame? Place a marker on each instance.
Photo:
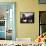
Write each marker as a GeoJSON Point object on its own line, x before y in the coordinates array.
{"type": "Point", "coordinates": [39, 21]}
{"type": "Point", "coordinates": [31, 17]}
{"type": "Point", "coordinates": [41, 2]}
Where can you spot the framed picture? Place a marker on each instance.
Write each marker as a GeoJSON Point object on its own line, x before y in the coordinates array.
{"type": "Point", "coordinates": [27, 17]}
{"type": "Point", "coordinates": [42, 1]}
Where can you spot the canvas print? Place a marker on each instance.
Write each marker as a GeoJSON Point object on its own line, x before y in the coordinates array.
{"type": "Point", "coordinates": [26, 17]}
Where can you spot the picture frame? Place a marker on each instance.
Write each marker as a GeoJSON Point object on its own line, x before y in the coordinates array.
{"type": "Point", "coordinates": [26, 17]}
{"type": "Point", "coordinates": [42, 1]}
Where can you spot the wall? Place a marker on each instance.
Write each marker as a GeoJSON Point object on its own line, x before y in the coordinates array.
{"type": "Point", "coordinates": [27, 30]}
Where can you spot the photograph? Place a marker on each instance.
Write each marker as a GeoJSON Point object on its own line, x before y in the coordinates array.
{"type": "Point", "coordinates": [26, 17]}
